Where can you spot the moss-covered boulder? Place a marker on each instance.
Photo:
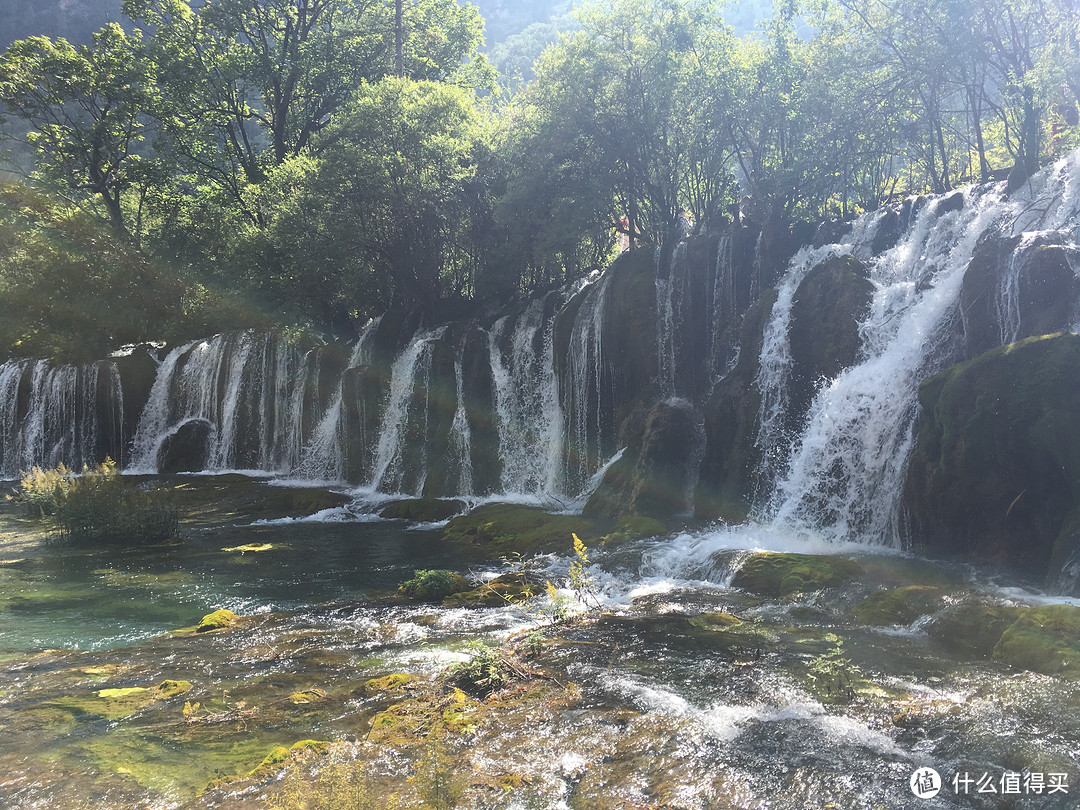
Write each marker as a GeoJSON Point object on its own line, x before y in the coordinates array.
{"type": "Point", "coordinates": [507, 589]}
{"type": "Point", "coordinates": [387, 683]}
{"type": "Point", "coordinates": [995, 473]}
{"type": "Point", "coordinates": [503, 528]}
{"type": "Point", "coordinates": [771, 573]}
{"type": "Point", "coordinates": [432, 585]}
{"type": "Point", "coordinates": [218, 620]}
{"type": "Point", "coordinates": [715, 620]}
{"type": "Point", "coordinates": [898, 605]}
{"type": "Point", "coordinates": [423, 510]}
{"type": "Point", "coordinates": [171, 688]}
{"type": "Point", "coordinates": [972, 628]}
{"type": "Point", "coordinates": [633, 527]}
{"type": "Point", "coordinates": [1043, 639]}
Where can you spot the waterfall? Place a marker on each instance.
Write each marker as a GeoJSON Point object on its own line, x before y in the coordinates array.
{"type": "Point", "coordinates": [53, 414]}
{"type": "Point", "coordinates": [323, 457]}
{"type": "Point", "coordinates": [589, 397]}
{"type": "Point", "coordinates": [845, 472]}
{"type": "Point", "coordinates": [669, 299]}
{"type": "Point", "coordinates": [412, 366]}
{"type": "Point", "coordinates": [528, 412]}
{"type": "Point", "coordinates": [460, 433]}
{"type": "Point", "coordinates": [253, 389]}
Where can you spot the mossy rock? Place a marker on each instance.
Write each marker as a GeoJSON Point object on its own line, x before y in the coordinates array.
{"type": "Point", "coordinates": [295, 502]}
{"type": "Point", "coordinates": [403, 725]}
{"type": "Point", "coordinates": [507, 589]}
{"type": "Point", "coordinates": [319, 747]}
{"type": "Point", "coordinates": [112, 704]}
{"type": "Point", "coordinates": [898, 605]}
{"type": "Point", "coordinates": [634, 527]}
{"type": "Point", "coordinates": [168, 688]}
{"type": "Point", "coordinates": [1043, 639]}
{"type": "Point", "coordinates": [274, 760]}
{"type": "Point", "coordinates": [306, 697]}
{"type": "Point", "coordinates": [432, 585]}
{"type": "Point", "coordinates": [772, 573]}
{"type": "Point", "coordinates": [218, 620]}
{"type": "Point", "coordinates": [503, 528]}
{"type": "Point", "coordinates": [387, 683]}
{"type": "Point", "coordinates": [972, 628]}
{"type": "Point", "coordinates": [423, 510]}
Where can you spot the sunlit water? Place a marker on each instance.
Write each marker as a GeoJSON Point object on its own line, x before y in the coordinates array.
{"type": "Point", "coordinates": [674, 711]}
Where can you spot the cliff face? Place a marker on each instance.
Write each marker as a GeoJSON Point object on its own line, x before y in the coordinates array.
{"type": "Point", "coordinates": [772, 374]}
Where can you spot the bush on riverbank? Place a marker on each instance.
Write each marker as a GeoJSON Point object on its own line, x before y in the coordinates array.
{"type": "Point", "coordinates": [97, 506]}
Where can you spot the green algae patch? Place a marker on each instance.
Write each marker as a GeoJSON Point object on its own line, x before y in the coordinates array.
{"type": "Point", "coordinates": [503, 528]}
{"type": "Point", "coordinates": [169, 688]}
{"type": "Point", "coordinates": [716, 620]}
{"type": "Point", "coordinates": [271, 762]}
{"type": "Point", "coordinates": [112, 704]}
{"type": "Point", "coordinates": [972, 628]}
{"type": "Point", "coordinates": [432, 585]}
{"type": "Point", "coordinates": [634, 527]}
{"type": "Point", "coordinates": [387, 683]}
{"type": "Point", "coordinates": [771, 573]}
{"type": "Point", "coordinates": [1043, 639]}
{"type": "Point", "coordinates": [508, 589]}
{"type": "Point", "coordinates": [252, 548]}
{"type": "Point", "coordinates": [898, 605]}
{"type": "Point", "coordinates": [218, 620]}
{"type": "Point", "coordinates": [423, 510]}
{"type": "Point", "coordinates": [305, 697]}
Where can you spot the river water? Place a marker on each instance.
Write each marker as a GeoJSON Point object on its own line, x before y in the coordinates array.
{"type": "Point", "coordinates": [675, 689]}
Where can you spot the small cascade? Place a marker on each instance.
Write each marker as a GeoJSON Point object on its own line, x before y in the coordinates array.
{"type": "Point", "coordinates": [323, 457]}
{"type": "Point", "coordinates": [58, 414]}
{"type": "Point", "coordinates": [670, 291]}
{"type": "Point", "coordinates": [403, 432]}
{"type": "Point", "coordinates": [460, 432]}
{"type": "Point", "coordinates": [845, 473]}
{"type": "Point", "coordinates": [256, 392]}
{"type": "Point", "coordinates": [528, 412]}
{"type": "Point", "coordinates": [587, 389]}
{"type": "Point", "coordinates": [723, 354]}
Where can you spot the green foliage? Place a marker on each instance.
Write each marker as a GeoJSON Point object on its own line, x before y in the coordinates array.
{"type": "Point", "coordinates": [433, 585]}
{"type": "Point", "coordinates": [97, 506]}
{"type": "Point", "coordinates": [436, 783]}
{"type": "Point", "coordinates": [487, 670]}
{"type": "Point", "coordinates": [832, 675]}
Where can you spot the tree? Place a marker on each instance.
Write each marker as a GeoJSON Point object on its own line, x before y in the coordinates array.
{"type": "Point", "coordinates": [388, 207]}
{"type": "Point", "coordinates": [86, 105]}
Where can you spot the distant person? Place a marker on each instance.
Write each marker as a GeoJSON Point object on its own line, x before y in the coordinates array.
{"type": "Point", "coordinates": [685, 223]}
{"type": "Point", "coordinates": [624, 232]}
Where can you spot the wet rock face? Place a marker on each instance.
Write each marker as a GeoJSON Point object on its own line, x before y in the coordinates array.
{"type": "Point", "coordinates": [187, 449]}
{"type": "Point", "coordinates": [656, 477]}
{"type": "Point", "coordinates": [995, 474]}
{"type": "Point", "coordinates": [1016, 288]}
{"type": "Point", "coordinates": [829, 304]}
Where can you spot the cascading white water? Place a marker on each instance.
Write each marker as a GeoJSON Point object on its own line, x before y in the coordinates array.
{"type": "Point", "coordinates": [585, 387]}
{"type": "Point", "coordinates": [57, 419]}
{"type": "Point", "coordinates": [669, 298]}
{"type": "Point", "coordinates": [253, 390]}
{"type": "Point", "coordinates": [722, 358]}
{"type": "Point", "coordinates": [846, 470]}
{"type": "Point", "coordinates": [323, 457]}
{"type": "Point", "coordinates": [412, 365]}
{"type": "Point", "coordinates": [460, 432]}
{"type": "Point", "coordinates": [528, 412]}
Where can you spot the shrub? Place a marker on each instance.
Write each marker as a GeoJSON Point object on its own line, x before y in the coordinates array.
{"type": "Point", "coordinates": [97, 506]}
{"type": "Point", "coordinates": [487, 670]}
{"type": "Point", "coordinates": [431, 585]}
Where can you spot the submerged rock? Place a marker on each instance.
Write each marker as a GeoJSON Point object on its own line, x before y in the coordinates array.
{"type": "Point", "coordinates": [972, 628]}
{"type": "Point", "coordinates": [780, 574]}
{"type": "Point", "coordinates": [504, 528]}
{"type": "Point", "coordinates": [1043, 639]}
{"type": "Point", "coordinates": [899, 605]}
{"type": "Point", "coordinates": [504, 590]}
{"type": "Point", "coordinates": [186, 449]}
{"type": "Point", "coordinates": [423, 510]}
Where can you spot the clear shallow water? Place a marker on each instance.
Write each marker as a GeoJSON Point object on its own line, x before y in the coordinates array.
{"type": "Point", "coordinates": [672, 709]}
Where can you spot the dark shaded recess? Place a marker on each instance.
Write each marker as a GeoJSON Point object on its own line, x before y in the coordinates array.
{"type": "Point", "coordinates": [995, 473]}
{"type": "Point", "coordinates": [186, 449]}
{"type": "Point", "coordinates": [137, 372]}
{"type": "Point", "coordinates": [727, 478]}
{"type": "Point", "coordinates": [478, 391]}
